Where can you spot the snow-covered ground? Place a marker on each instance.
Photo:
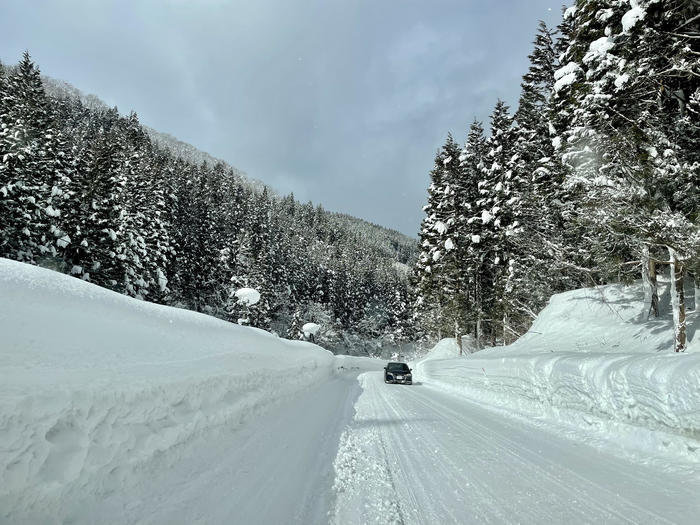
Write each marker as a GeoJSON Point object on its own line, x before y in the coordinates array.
{"type": "Point", "coordinates": [591, 360]}
{"type": "Point", "coordinates": [113, 410]}
{"type": "Point", "coordinates": [420, 455]}
{"type": "Point", "coordinates": [97, 388]}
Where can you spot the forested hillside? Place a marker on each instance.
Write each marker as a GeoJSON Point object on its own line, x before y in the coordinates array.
{"type": "Point", "coordinates": [594, 178]}
{"type": "Point", "coordinates": [92, 193]}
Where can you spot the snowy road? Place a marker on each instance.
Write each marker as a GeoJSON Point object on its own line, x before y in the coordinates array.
{"type": "Point", "coordinates": [402, 454]}
{"type": "Point", "coordinates": [416, 455]}
{"type": "Point", "coordinates": [275, 469]}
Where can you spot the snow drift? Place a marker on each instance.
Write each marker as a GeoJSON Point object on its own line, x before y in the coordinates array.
{"type": "Point", "coordinates": [94, 384]}
{"type": "Point", "coordinates": [591, 360]}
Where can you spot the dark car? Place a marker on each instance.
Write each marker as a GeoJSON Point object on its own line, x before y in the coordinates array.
{"type": "Point", "coordinates": [397, 373]}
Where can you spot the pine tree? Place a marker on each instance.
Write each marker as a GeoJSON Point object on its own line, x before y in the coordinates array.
{"type": "Point", "coordinates": [436, 269]}
{"type": "Point", "coordinates": [500, 205]}
{"type": "Point", "coordinates": [87, 191]}
{"type": "Point", "coordinates": [623, 151]}
{"type": "Point", "coordinates": [32, 174]}
{"type": "Point", "coordinates": [470, 226]}
{"type": "Point", "coordinates": [536, 272]}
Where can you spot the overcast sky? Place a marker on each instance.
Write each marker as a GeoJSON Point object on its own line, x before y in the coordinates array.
{"type": "Point", "coordinates": [343, 102]}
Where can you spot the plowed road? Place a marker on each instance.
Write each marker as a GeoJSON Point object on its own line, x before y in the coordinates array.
{"type": "Point", "coordinates": [354, 450]}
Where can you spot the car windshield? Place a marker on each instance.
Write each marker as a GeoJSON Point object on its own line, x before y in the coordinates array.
{"type": "Point", "coordinates": [397, 367]}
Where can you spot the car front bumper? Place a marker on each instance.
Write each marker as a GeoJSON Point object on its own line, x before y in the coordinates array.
{"type": "Point", "coordinates": [403, 381]}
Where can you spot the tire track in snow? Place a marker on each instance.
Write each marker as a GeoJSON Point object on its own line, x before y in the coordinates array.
{"type": "Point", "coordinates": [446, 460]}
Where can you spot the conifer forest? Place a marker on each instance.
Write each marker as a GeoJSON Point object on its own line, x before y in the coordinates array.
{"type": "Point", "coordinates": [93, 193]}
{"type": "Point", "coordinates": [594, 178]}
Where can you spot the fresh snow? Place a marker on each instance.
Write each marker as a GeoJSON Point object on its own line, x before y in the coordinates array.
{"type": "Point", "coordinates": [592, 360]}
{"type": "Point", "coordinates": [100, 392]}
{"type": "Point", "coordinates": [440, 227]}
{"type": "Point", "coordinates": [310, 329]}
{"type": "Point", "coordinates": [248, 296]}
{"type": "Point", "coordinates": [631, 17]}
{"type": "Point", "coordinates": [621, 80]}
{"type": "Point", "coordinates": [114, 409]}
{"type": "Point", "coordinates": [565, 76]}
{"type": "Point", "coordinates": [598, 49]}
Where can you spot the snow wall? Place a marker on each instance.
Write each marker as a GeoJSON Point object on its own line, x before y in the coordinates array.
{"type": "Point", "coordinates": [94, 384]}
{"type": "Point", "coordinates": [589, 362]}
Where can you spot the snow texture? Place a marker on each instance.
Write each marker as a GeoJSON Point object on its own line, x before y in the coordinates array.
{"type": "Point", "coordinates": [590, 360]}
{"type": "Point", "coordinates": [248, 296]}
{"type": "Point", "coordinates": [631, 17]}
{"type": "Point", "coordinates": [310, 329]}
{"type": "Point", "coordinates": [416, 455]}
{"type": "Point", "coordinates": [598, 49]}
{"type": "Point", "coordinates": [566, 75]}
{"type": "Point", "coordinates": [95, 387]}
{"type": "Point", "coordinates": [621, 80]}
{"type": "Point", "coordinates": [440, 227]}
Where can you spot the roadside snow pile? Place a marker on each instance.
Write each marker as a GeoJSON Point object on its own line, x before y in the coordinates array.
{"type": "Point", "coordinates": [344, 363]}
{"type": "Point", "coordinates": [448, 348]}
{"type": "Point", "coordinates": [610, 318]}
{"type": "Point", "coordinates": [94, 385]}
{"type": "Point", "coordinates": [590, 360]}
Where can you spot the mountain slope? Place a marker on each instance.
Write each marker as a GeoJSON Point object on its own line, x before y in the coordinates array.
{"type": "Point", "coordinates": [94, 194]}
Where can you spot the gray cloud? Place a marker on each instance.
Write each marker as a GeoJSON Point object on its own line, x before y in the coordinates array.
{"type": "Point", "coordinates": [342, 102]}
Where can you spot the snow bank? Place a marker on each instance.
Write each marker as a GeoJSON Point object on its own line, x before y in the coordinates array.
{"type": "Point", "coordinates": [448, 348]}
{"type": "Point", "coordinates": [589, 360]}
{"type": "Point", "coordinates": [357, 363]}
{"type": "Point", "coordinates": [94, 385]}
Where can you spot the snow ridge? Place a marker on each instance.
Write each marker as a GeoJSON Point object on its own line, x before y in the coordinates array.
{"type": "Point", "coordinates": [589, 362]}
{"type": "Point", "coordinates": [95, 386]}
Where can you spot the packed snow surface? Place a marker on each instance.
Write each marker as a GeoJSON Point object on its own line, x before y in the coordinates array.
{"type": "Point", "coordinates": [593, 360]}
{"type": "Point", "coordinates": [420, 455]}
{"type": "Point", "coordinates": [117, 410]}
{"type": "Point", "coordinates": [95, 388]}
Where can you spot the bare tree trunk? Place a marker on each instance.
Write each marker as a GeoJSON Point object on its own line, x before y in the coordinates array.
{"type": "Point", "coordinates": [651, 295]}
{"type": "Point", "coordinates": [477, 331]}
{"type": "Point", "coordinates": [477, 303]}
{"type": "Point", "coordinates": [458, 337]}
{"type": "Point", "coordinates": [678, 301]}
{"type": "Point", "coordinates": [505, 329]}
{"type": "Point", "coordinates": [654, 305]}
